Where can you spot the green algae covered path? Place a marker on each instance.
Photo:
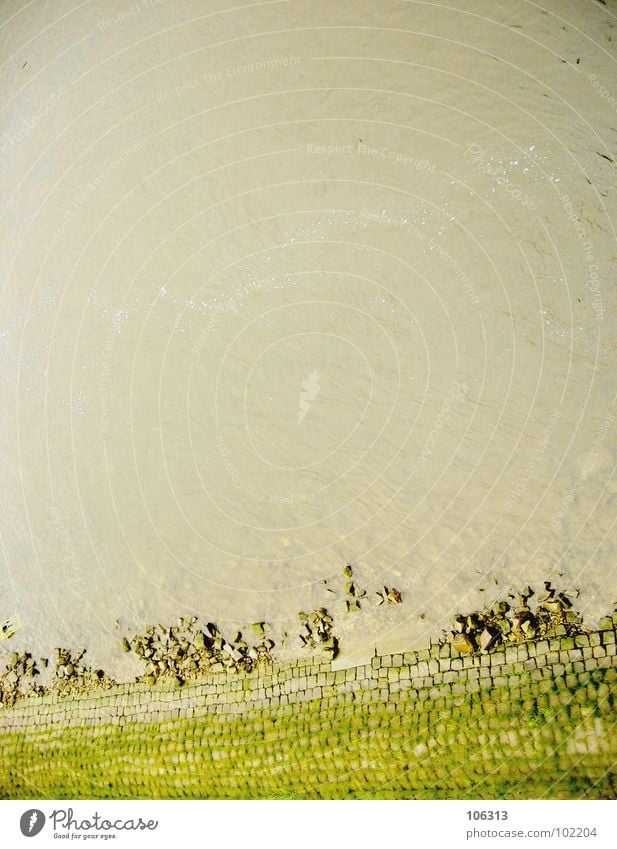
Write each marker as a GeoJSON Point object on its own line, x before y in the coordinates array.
{"type": "Point", "coordinates": [530, 721]}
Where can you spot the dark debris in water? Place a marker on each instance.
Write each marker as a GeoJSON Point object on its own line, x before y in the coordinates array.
{"type": "Point", "coordinates": [70, 675]}
{"type": "Point", "coordinates": [552, 615]}
{"type": "Point", "coordinates": [192, 649]}
{"type": "Point", "coordinates": [317, 632]}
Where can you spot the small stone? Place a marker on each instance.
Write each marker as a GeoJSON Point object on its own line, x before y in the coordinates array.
{"type": "Point", "coordinates": [528, 629]}
{"type": "Point", "coordinates": [348, 571]}
{"type": "Point", "coordinates": [459, 623]}
{"type": "Point", "coordinates": [394, 596]}
{"type": "Point", "coordinates": [487, 639]}
{"type": "Point", "coordinates": [126, 646]}
{"type": "Point", "coordinates": [462, 644]}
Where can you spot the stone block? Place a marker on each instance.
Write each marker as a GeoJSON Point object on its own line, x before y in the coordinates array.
{"type": "Point", "coordinates": [511, 654]}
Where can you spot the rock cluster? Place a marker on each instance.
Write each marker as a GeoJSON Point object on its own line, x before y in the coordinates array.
{"type": "Point", "coordinates": [69, 675]}
{"type": "Point", "coordinates": [317, 633]}
{"type": "Point", "coordinates": [389, 595]}
{"type": "Point", "coordinates": [72, 675]}
{"type": "Point", "coordinates": [191, 649]}
{"type": "Point", "coordinates": [19, 679]}
{"type": "Point", "coordinates": [352, 592]}
{"type": "Point", "coordinates": [484, 630]}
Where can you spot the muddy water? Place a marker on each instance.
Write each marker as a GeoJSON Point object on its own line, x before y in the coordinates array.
{"type": "Point", "coordinates": [291, 284]}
